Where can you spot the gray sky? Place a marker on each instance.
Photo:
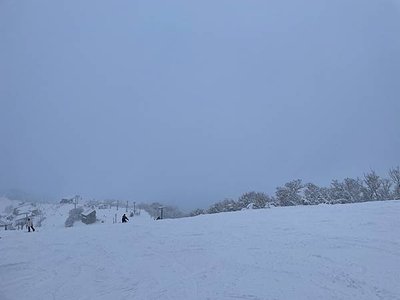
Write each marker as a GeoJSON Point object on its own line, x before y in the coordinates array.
{"type": "Point", "coordinates": [188, 102]}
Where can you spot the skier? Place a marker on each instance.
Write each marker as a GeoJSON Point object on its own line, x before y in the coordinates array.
{"type": "Point", "coordinates": [29, 224]}
{"type": "Point", "coordinates": [124, 219]}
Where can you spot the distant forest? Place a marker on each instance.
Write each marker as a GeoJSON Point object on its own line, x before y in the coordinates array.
{"type": "Point", "coordinates": [371, 187]}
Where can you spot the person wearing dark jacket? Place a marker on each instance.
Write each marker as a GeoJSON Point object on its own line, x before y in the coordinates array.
{"type": "Point", "coordinates": [124, 219]}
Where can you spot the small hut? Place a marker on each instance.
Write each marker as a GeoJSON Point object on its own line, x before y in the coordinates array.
{"type": "Point", "coordinates": [88, 216]}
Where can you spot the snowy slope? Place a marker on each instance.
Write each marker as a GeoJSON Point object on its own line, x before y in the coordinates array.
{"type": "Point", "coordinates": [316, 252]}
{"type": "Point", "coordinates": [55, 215]}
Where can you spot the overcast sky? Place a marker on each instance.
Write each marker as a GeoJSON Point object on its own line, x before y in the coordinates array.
{"type": "Point", "coordinates": [190, 102]}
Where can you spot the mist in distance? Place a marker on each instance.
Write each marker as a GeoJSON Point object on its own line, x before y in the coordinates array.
{"type": "Point", "coordinates": [190, 103]}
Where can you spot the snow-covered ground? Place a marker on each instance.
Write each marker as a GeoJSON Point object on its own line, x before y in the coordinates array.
{"type": "Point", "coordinates": [316, 252]}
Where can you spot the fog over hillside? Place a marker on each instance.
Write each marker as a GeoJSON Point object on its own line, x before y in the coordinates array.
{"type": "Point", "coordinates": [189, 103]}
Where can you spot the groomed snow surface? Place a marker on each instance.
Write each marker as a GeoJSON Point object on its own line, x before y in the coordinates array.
{"type": "Point", "coordinates": [316, 252]}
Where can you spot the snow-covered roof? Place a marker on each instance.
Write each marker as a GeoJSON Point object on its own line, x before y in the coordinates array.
{"type": "Point", "coordinates": [88, 211]}
{"type": "Point", "coordinates": [28, 212]}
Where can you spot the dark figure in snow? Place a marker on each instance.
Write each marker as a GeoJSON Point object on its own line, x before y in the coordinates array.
{"type": "Point", "coordinates": [124, 219]}
{"type": "Point", "coordinates": [29, 224]}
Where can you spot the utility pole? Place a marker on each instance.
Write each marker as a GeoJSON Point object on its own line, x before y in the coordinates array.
{"type": "Point", "coordinates": [76, 201]}
{"type": "Point", "coordinates": [126, 206]}
{"type": "Point", "coordinates": [134, 207]}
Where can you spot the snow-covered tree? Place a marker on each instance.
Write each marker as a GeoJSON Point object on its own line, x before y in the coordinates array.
{"type": "Point", "coordinates": [349, 191]}
{"type": "Point", "coordinates": [259, 200]}
{"type": "Point", "coordinates": [337, 193]}
{"type": "Point", "coordinates": [229, 205]}
{"type": "Point", "coordinates": [395, 177]}
{"type": "Point", "coordinates": [214, 209]}
{"type": "Point", "coordinates": [223, 206]}
{"type": "Point", "coordinates": [384, 190]}
{"type": "Point", "coordinates": [373, 183]}
{"type": "Point", "coordinates": [353, 189]}
{"type": "Point", "coordinates": [313, 195]}
{"type": "Point", "coordinates": [289, 194]}
{"type": "Point", "coordinates": [197, 212]}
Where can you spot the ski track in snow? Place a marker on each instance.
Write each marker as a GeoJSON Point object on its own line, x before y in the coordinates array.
{"type": "Point", "coordinates": [318, 252]}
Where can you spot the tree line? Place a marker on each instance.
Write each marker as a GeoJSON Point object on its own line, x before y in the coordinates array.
{"type": "Point", "coordinates": [371, 187]}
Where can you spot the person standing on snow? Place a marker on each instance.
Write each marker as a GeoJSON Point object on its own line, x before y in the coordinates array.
{"type": "Point", "coordinates": [124, 219]}
{"type": "Point", "coordinates": [29, 224]}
